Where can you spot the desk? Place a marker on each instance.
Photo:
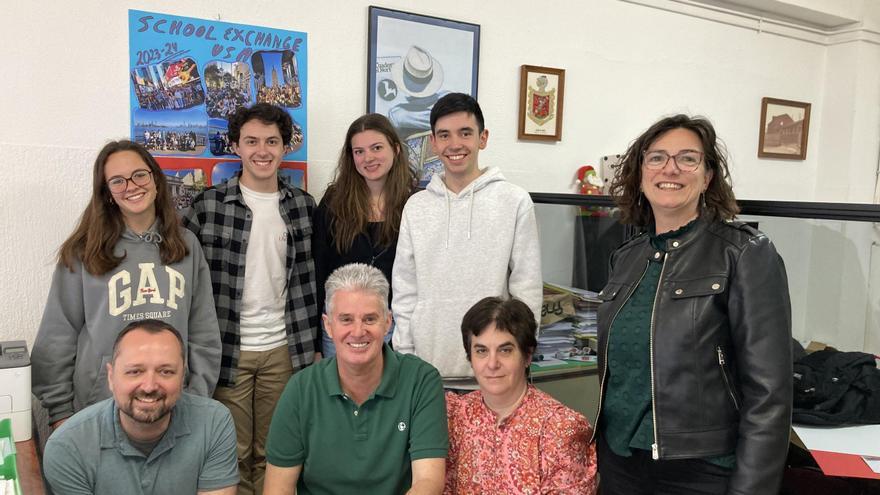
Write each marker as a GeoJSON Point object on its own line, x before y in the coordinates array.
{"type": "Point", "coordinates": [28, 463]}
{"type": "Point", "coordinates": [575, 384]}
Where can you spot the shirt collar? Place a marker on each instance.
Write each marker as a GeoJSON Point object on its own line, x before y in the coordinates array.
{"type": "Point", "coordinates": [234, 187]}
{"type": "Point", "coordinates": [387, 384]}
{"type": "Point", "coordinates": [113, 436]}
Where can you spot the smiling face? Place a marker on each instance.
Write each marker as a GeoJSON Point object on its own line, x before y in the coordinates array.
{"type": "Point", "coordinates": [136, 203]}
{"type": "Point", "coordinates": [499, 365]}
{"type": "Point", "coordinates": [673, 194]}
{"type": "Point", "coordinates": [373, 155]}
{"type": "Point", "coordinates": [146, 378]}
{"type": "Point", "coordinates": [261, 149]}
{"type": "Point", "coordinates": [457, 140]}
{"type": "Point", "coordinates": [357, 324]}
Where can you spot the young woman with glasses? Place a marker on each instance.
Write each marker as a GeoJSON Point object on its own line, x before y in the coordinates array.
{"type": "Point", "coordinates": [127, 260]}
{"type": "Point", "coordinates": [694, 329]}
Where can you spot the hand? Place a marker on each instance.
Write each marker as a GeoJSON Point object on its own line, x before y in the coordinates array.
{"type": "Point", "coordinates": [58, 423]}
{"type": "Point", "coordinates": [318, 357]}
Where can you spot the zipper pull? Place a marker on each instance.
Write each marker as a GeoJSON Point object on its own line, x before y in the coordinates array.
{"type": "Point", "coordinates": [720, 355]}
{"type": "Point", "coordinates": [655, 451]}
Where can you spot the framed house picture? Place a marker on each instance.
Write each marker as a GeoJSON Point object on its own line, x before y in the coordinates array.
{"type": "Point", "coordinates": [541, 91]}
{"type": "Point", "coordinates": [785, 126]}
{"type": "Point", "coordinates": [413, 61]}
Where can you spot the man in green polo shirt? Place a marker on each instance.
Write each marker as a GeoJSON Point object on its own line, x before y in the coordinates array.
{"type": "Point", "coordinates": [369, 420]}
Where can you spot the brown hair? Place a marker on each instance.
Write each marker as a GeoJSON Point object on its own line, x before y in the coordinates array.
{"type": "Point", "coordinates": [101, 224]}
{"type": "Point", "coordinates": [720, 203]}
{"type": "Point", "coordinates": [510, 315]}
{"type": "Point", "coordinates": [349, 196]}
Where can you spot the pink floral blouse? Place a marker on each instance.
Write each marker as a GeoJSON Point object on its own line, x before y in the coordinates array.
{"type": "Point", "coordinates": [542, 448]}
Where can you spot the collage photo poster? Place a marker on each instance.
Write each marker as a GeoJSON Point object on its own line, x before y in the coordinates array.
{"type": "Point", "coordinates": [187, 76]}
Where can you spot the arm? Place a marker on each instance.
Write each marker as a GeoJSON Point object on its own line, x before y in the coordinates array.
{"type": "Point", "coordinates": [55, 346]}
{"type": "Point", "coordinates": [203, 336]}
{"type": "Point", "coordinates": [525, 282]}
{"type": "Point", "coordinates": [63, 469]}
{"type": "Point", "coordinates": [568, 459]}
{"type": "Point", "coordinates": [427, 476]}
{"type": "Point", "coordinates": [403, 280]}
{"type": "Point", "coordinates": [321, 244]}
{"type": "Point", "coordinates": [229, 490]}
{"type": "Point", "coordinates": [760, 328]}
{"type": "Point", "coordinates": [219, 474]}
{"type": "Point", "coordinates": [281, 481]}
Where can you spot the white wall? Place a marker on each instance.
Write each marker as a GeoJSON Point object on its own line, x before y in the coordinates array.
{"type": "Point", "coordinates": [65, 92]}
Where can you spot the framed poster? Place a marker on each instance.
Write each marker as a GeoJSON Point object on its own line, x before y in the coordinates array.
{"type": "Point", "coordinates": [785, 126]}
{"type": "Point", "coordinates": [413, 61]}
{"type": "Point", "coordinates": [188, 75]}
{"type": "Point", "coordinates": [541, 91]}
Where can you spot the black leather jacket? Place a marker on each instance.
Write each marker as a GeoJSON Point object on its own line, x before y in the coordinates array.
{"type": "Point", "coordinates": [721, 366]}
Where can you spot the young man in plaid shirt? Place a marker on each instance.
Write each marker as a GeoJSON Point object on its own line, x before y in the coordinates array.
{"type": "Point", "coordinates": [256, 233]}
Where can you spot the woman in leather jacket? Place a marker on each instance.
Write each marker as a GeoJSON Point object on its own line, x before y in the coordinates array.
{"type": "Point", "coordinates": [694, 329]}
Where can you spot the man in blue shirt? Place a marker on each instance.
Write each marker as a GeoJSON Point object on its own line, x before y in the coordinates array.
{"type": "Point", "coordinates": [150, 437]}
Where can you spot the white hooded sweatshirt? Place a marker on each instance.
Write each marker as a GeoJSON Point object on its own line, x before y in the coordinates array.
{"type": "Point", "coordinates": [453, 250]}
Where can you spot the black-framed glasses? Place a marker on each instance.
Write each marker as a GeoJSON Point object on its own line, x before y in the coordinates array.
{"type": "Point", "coordinates": [687, 160]}
{"type": "Point", "coordinates": [140, 177]}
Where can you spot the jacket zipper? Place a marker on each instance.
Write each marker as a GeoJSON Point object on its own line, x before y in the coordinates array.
{"type": "Point", "coordinates": [655, 447]}
{"type": "Point", "coordinates": [605, 368]}
{"type": "Point", "coordinates": [723, 363]}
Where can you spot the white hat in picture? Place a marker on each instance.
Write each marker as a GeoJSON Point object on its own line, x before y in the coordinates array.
{"type": "Point", "coordinates": [418, 73]}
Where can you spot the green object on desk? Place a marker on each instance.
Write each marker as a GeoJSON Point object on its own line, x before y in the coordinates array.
{"type": "Point", "coordinates": [8, 470]}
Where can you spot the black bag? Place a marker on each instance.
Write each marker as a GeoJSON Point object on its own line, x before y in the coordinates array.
{"type": "Point", "coordinates": [836, 388]}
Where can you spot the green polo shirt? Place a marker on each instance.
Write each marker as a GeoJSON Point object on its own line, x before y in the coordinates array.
{"type": "Point", "coordinates": [344, 448]}
{"type": "Point", "coordinates": [91, 454]}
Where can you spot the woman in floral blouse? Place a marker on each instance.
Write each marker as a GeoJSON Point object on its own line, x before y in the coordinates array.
{"type": "Point", "coordinates": [509, 437]}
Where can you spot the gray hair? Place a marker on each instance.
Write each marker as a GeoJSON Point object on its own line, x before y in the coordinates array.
{"type": "Point", "coordinates": [357, 277]}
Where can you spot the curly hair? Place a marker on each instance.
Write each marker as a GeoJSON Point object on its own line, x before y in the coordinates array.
{"type": "Point", "coordinates": [720, 203]}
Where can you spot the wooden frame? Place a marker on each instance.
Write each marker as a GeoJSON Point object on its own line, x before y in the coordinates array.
{"type": "Point", "coordinates": [541, 92]}
{"type": "Point", "coordinates": [784, 129]}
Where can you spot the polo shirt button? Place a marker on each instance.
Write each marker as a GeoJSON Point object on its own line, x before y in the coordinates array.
{"type": "Point", "coordinates": [674, 243]}
{"type": "Point", "coordinates": [678, 292]}
{"type": "Point", "coordinates": [355, 413]}
{"type": "Point", "coordinates": [657, 255]}
{"type": "Point", "coordinates": [716, 286]}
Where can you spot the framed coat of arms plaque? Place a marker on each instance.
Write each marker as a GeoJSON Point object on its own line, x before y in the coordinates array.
{"type": "Point", "coordinates": [540, 103]}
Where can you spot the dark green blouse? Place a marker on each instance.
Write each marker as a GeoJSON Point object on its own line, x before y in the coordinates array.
{"type": "Point", "coordinates": [627, 417]}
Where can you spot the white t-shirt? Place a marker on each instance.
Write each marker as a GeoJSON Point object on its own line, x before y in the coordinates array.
{"type": "Point", "coordinates": [264, 295]}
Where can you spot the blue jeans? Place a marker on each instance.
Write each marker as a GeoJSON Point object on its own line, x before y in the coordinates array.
{"type": "Point", "coordinates": [329, 348]}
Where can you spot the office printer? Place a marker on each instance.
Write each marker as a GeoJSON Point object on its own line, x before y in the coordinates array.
{"type": "Point", "coordinates": [15, 387]}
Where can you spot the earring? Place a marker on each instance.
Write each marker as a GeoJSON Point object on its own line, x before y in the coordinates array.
{"type": "Point", "coordinates": [703, 199]}
{"type": "Point", "coordinates": [639, 200]}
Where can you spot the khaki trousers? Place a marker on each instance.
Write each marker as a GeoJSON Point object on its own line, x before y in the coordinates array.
{"type": "Point", "coordinates": [259, 381]}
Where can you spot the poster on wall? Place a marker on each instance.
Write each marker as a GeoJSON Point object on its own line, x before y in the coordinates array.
{"type": "Point", "coordinates": [188, 75]}
{"type": "Point", "coordinates": [413, 61]}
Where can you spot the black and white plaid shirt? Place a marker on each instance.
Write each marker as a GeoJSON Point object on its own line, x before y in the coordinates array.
{"type": "Point", "coordinates": [221, 220]}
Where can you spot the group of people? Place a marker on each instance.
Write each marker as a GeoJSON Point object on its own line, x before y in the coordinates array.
{"type": "Point", "coordinates": [170, 140]}
{"type": "Point", "coordinates": [285, 95]}
{"type": "Point", "coordinates": [380, 342]}
{"type": "Point", "coordinates": [223, 101]}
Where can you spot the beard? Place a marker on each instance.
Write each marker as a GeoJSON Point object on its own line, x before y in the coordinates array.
{"type": "Point", "coordinates": [132, 408]}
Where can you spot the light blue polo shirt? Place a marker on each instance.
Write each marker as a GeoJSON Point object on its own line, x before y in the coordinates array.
{"type": "Point", "coordinates": [91, 454]}
{"type": "Point", "coordinates": [346, 448]}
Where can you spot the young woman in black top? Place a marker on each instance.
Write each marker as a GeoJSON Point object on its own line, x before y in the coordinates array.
{"type": "Point", "coordinates": [358, 218]}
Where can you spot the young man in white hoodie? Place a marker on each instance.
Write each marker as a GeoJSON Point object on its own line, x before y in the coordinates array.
{"type": "Point", "coordinates": [469, 235]}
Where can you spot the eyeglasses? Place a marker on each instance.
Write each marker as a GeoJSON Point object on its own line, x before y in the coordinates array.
{"type": "Point", "coordinates": [687, 160]}
{"type": "Point", "coordinates": [119, 184]}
